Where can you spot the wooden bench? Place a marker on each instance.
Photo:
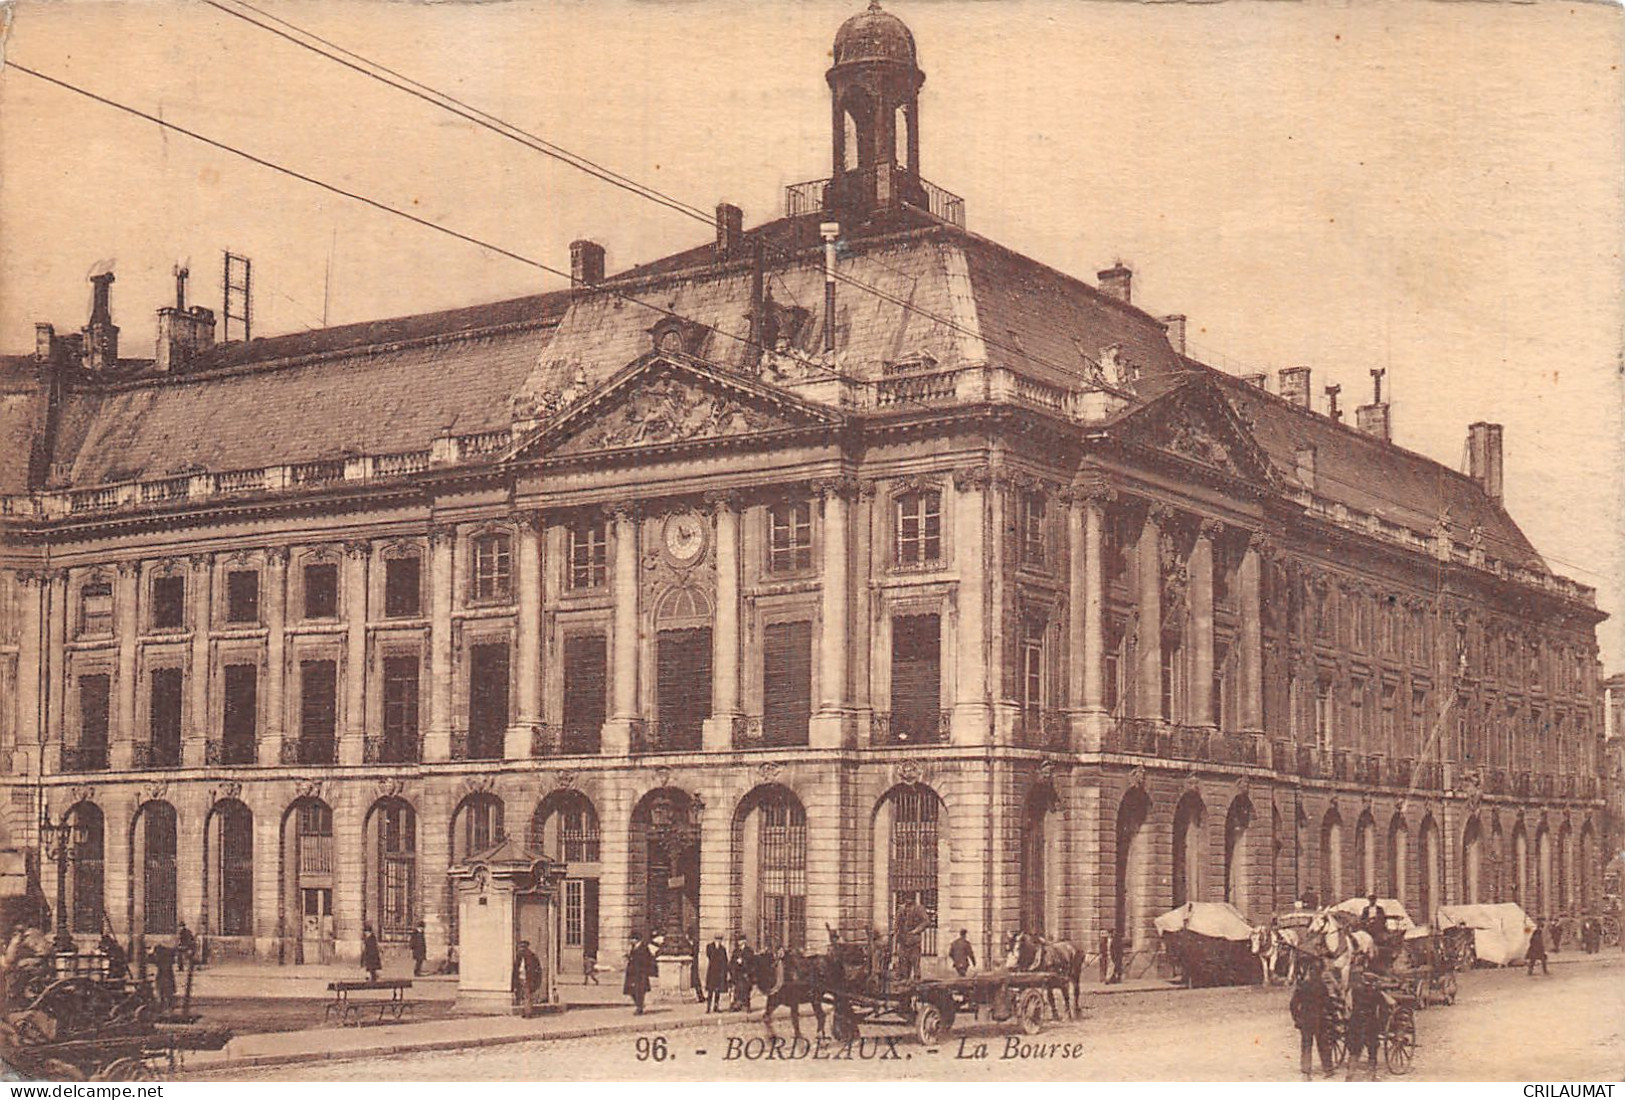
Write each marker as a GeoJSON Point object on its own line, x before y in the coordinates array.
{"type": "Point", "coordinates": [394, 1007]}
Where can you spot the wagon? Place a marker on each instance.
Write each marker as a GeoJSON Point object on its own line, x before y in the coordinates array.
{"type": "Point", "coordinates": [1398, 1034]}
{"type": "Point", "coordinates": [931, 1006]}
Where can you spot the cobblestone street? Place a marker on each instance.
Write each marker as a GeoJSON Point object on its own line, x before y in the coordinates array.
{"type": "Point", "coordinates": [1506, 1026]}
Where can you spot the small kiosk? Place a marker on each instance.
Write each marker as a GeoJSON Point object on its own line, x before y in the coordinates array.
{"type": "Point", "coordinates": [507, 895]}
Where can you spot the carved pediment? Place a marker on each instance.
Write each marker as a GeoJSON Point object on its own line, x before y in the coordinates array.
{"type": "Point", "coordinates": [1195, 423]}
{"type": "Point", "coordinates": [663, 401]}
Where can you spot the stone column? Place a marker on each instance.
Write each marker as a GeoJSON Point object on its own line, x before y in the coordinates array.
{"type": "Point", "coordinates": [31, 590]}
{"type": "Point", "coordinates": [275, 706]}
{"type": "Point", "coordinates": [624, 710]}
{"type": "Point", "coordinates": [195, 748]}
{"type": "Point", "coordinates": [828, 726]}
{"type": "Point", "coordinates": [56, 670]}
{"type": "Point", "coordinates": [528, 647]}
{"type": "Point", "coordinates": [437, 741]}
{"type": "Point", "coordinates": [972, 715]}
{"type": "Point", "coordinates": [352, 741]}
{"type": "Point", "coordinates": [1251, 711]}
{"type": "Point", "coordinates": [1148, 636]}
{"type": "Point", "coordinates": [1200, 710]}
{"type": "Point", "coordinates": [1086, 616]}
{"type": "Point", "coordinates": [126, 728]}
{"type": "Point", "coordinates": [725, 652]}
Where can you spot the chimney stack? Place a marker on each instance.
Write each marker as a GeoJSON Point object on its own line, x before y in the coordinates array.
{"type": "Point", "coordinates": [182, 332]}
{"type": "Point", "coordinates": [586, 263]}
{"type": "Point", "coordinates": [1484, 457]}
{"type": "Point", "coordinates": [44, 340]}
{"type": "Point", "coordinates": [1256, 380]}
{"type": "Point", "coordinates": [1175, 324]}
{"type": "Point", "coordinates": [730, 230]}
{"type": "Point", "coordinates": [101, 334]}
{"type": "Point", "coordinates": [1295, 385]}
{"type": "Point", "coordinates": [1373, 418]}
{"type": "Point", "coordinates": [1115, 281]}
{"type": "Point", "coordinates": [1332, 390]}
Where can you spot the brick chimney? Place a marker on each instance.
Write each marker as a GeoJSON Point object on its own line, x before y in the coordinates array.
{"type": "Point", "coordinates": [182, 332]}
{"type": "Point", "coordinates": [1484, 457]}
{"type": "Point", "coordinates": [730, 230]}
{"type": "Point", "coordinates": [1295, 385]}
{"type": "Point", "coordinates": [1372, 419]}
{"type": "Point", "coordinates": [101, 334]}
{"type": "Point", "coordinates": [586, 263]}
{"type": "Point", "coordinates": [1175, 324]}
{"type": "Point", "coordinates": [1115, 281]}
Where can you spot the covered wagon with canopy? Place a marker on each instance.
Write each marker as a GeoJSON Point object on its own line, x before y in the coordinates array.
{"type": "Point", "coordinates": [1211, 942]}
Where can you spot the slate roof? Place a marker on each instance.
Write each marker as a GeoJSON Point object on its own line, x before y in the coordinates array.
{"type": "Point", "coordinates": [939, 290]}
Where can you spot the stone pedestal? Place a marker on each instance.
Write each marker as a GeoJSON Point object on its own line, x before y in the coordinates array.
{"type": "Point", "coordinates": [675, 982]}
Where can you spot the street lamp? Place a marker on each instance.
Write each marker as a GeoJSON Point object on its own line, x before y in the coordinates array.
{"type": "Point", "coordinates": [62, 843]}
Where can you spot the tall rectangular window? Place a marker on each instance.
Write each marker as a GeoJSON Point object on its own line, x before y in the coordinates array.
{"type": "Point", "coordinates": [241, 717]}
{"type": "Point", "coordinates": [919, 527]}
{"type": "Point", "coordinates": [487, 700]}
{"type": "Point", "coordinates": [1323, 716]}
{"type": "Point", "coordinates": [1170, 660]}
{"type": "Point", "coordinates": [322, 590]}
{"type": "Point", "coordinates": [789, 544]}
{"type": "Point", "coordinates": [1112, 673]}
{"type": "Point", "coordinates": [493, 567]}
{"type": "Point", "coordinates": [318, 711]}
{"type": "Point", "coordinates": [916, 687]}
{"type": "Point", "coordinates": [403, 587]}
{"type": "Point", "coordinates": [589, 556]}
{"type": "Point", "coordinates": [1032, 669]}
{"type": "Point", "coordinates": [400, 710]}
{"type": "Point", "coordinates": [585, 685]}
{"type": "Point", "coordinates": [165, 729]}
{"type": "Point", "coordinates": [786, 683]}
{"type": "Point", "coordinates": [95, 692]}
{"type": "Point", "coordinates": [574, 911]}
{"type": "Point", "coordinates": [96, 609]}
{"type": "Point", "coordinates": [1030, 524]}
{"type": "Point", "coordinates": [168, 603]}
{"type": "Point", "coordinates": [243, 596]}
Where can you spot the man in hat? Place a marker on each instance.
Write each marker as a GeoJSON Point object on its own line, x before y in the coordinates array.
{"type": "Point", "coordinates": [527, 976]}
{"type": "Point", "coordinates": [371, 960]}
{"type": "Point", "coordinates": [716, 973]}
{"type": "Point", "coordinates": [641, 970]}
{"type": "Point", "coordinates": [420, 949]}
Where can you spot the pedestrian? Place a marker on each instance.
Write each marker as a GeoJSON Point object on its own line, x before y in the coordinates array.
{"type": "Point", "coordinates": [527, 977]}
{"type": "Point", "coordinates": [1365, 1022]}
{"type": "Point", "coordinates": [962, 954]}
{"type": "Point", "coordinates": [420, 949]}
{"type": "Point", "coordinates": [589, 967]}
{"type": "Point", "coordinates": [1537, 949]}
{"type": "Point", "coordinates": [913, 919]}
{"type": "Point", "coordinates": [118, 963]}
{"type": "Point", "coordinates": [163, 959]}
{"type": "Point", "coordinates": [741, 967]}
{"type": "Point", "coordinates": [716, 973]}
{"type": "Point", "coordinates": [640, 970]}
{"type": "Point", "coordinates": [371, 961]}
{"type": "Point", "coordinates": [1308, 1008]}
{"type": "Point", "coordinates": [185, 947]}
{"type": "Point", "coordinates": [1556, 927]}
{"type": "Point", "coordinates": [1117, 957]}
{"type": "Point", "coordinates": [695, 981]}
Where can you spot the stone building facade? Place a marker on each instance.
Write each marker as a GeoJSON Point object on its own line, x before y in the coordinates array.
{"type": "Point", "coordinates": [843, 560]}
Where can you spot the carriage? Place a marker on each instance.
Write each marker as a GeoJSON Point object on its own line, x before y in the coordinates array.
{"type": "Point", "coordinates": [1430, 961]}
{"type": "Point", "coordinates": [860, 988]}
{"type": "Point", "coordinates": [1397, 1037]}
{"type": "Point", "coordinates": [69, 1020]}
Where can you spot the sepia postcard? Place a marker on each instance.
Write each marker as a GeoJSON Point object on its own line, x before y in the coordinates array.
{"type": "Point", "coordinates": [837, 540]}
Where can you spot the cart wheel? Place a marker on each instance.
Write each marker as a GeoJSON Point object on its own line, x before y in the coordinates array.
{"type": "Point", "coordinates": [928, 1024]}
{"type": "Point", "coordinates": [1030, 1011]}
{"type": "Point", "coordinates": [1401, 1046]}
{"type": "Point", "coordinates": [1340, 1051]}
{"type": "Point", "coordinates": [126, 1069]}
{"type": "Point", "coordinates": [844, 1028]}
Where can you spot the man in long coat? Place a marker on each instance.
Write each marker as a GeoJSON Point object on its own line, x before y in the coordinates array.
{"type": "Point", "coordinates": [527, 976]}
{"type": "Point", "coordinates": [1537, 949]}
{"type": "Point", "coordinates": [420, 948]}
{"type": "Point", "coordinates": [371, 960]}
{"type": "Point", "coordinates": [716, 973]}
{"type": "Point", "coordinates": [912, 922]}
{"type": "Point", "coordinates": [1308, 1008]}
{"type": "Point", "coordinates": [640, 972]}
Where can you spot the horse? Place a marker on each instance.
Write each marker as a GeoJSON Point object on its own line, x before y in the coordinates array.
{"type": "Point", "coordinates": [791, 979]}
{"type": "Point", "coordinates": [1339, 946]}
{"type": "Point", "coordinates": [1031, 951]}
{"type": "Point", "coordinates": [1270, 942]}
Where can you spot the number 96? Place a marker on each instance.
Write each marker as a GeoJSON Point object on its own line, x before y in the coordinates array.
{"type": "Point", "coordinates": [652, 1050]}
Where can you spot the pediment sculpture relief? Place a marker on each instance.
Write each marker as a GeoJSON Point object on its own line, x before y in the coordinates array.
{"type": "Point", "coordinates": [665, 410]}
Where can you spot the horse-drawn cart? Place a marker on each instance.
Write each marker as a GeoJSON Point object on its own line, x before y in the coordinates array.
{"type": "Point", "coordinates": [931, 1006]}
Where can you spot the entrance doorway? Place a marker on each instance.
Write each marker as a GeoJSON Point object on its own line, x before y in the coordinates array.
{"type": "Point", "coordinates": [666, 841]}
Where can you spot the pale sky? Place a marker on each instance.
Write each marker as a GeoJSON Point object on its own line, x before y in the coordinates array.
{"type": "Point", "coordinates": [1435, 188]}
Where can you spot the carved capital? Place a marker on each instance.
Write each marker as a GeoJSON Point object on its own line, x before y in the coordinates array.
{"type": "Point", "coordinates": [128, 568]}
{"type": "Point", "coordinates": [1209, 528]}
{"type": "Point", "coordinates": [1260, 543]}
{"type": "Point", "coordinates": [441, 534]}
{"type": "Point", "coordinates": [867, 487]}
{"type": "Point", "coordinates": [276, 555]}
{"type": "Point", "coordinates": [528, 520]}
{"type": "Point", "coordinates": [358, 548]}
{"type": "Point", "coordinates": [974, 477]}
{"type": "Point", "coordinates": [31, 578]}
{"type": "Point", "coordinates": [724, 500]}
{"type": "Point", "coordinates": [1163, 515]}
{"type": "Point", "coordinates": [844, 487]}
{"type": "Point", "coordinates": [201, 562]}
{"type": "Point", "coordinates": [623, 511]}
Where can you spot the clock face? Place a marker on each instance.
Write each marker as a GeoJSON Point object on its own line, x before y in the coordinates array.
{"type": "Point", "coordinates": [685, 536]}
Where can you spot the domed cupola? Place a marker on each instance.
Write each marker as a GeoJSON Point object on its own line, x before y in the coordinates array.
{"type": "Point", "coordinates": [875, 114]}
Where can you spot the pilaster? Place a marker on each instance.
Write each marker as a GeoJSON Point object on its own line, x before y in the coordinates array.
{"type": "Point", "coordinates": [437, 739]}
{"type": "Point", "coordinates": [1148, 638]}
{"type": "Point", "coordinates": [972, 714]}
{"type": "Point", "coordinates": [198, 584]}
{"type": "Point", "coordinates": [623, 671]}
{"type": "Point", "coordinates": [276, 663]}
{"type": "Point", "coordinates": [528, 646]}
{"type": "Point", "coordinates": [353, 736]}
{"type": "Point", "coordinates": [828, 727]}
{"type": "Point", "coordinates": [126, 727]}
{"type": "Point", "coordinates": [725, 654]}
